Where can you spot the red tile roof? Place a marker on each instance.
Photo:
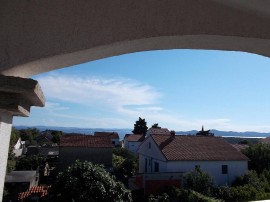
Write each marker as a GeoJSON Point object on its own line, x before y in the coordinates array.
{"type": "Point", "coordinates": [41, 190]}
{"type": "Point", "coordinates": [199, 148]}
{"type": "Point", "coordinates": [158, 131]}
{"type": "Point", "coordinates": [85, 141]}
{"type": "Point", "coordinates": [112, 135]}
{"type": "Point", "coordinates": [240, 147]}
{"type": "Point", "coordinates": [265, 140]}
{"type": "Point", "coordinates": [134, 137]}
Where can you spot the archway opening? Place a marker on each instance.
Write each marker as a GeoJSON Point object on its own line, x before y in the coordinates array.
{"type": "Point", "coordinates": [180, 89]}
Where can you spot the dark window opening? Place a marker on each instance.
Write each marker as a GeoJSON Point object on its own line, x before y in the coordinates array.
{"type": "Point", "coordinates": [156, 167]}
{"type": "Point", "coordinates": [149, 145]}
{"type": "Point", "coordinates": [145, 166]}
{"type": "Point", "coordinates": [224, 169]}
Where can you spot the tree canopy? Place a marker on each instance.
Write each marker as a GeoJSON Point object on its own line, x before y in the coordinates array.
{"type": "Point", "coordinates": [140, 127]}
{"type": "Point", "coordinates": [155, 125]}
{"type": "Point", "coordinates": [125, 163]}
{"type": "Point", "coordinates": [85, 181]}
{"type": "Point", "coordinates": [259, 155]}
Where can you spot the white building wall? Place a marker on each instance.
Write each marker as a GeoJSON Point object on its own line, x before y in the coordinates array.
{"type": "Point", "coordinates": [150, 154]}
{"type": "Point", "coordinates": [133, 146]}
{"type": "Point", "coordinates": [116, 141]}
{"type": "Point", "coordinates": [5, 131]}
{"type": "Point", "coordinates": [213, 168]}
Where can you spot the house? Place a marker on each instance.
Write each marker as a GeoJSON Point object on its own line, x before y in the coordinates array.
{"type": "Point", "coordinates": [49, 152]}
{"type": "Point", "coordinates": [45, 138]}
{"type": "Point", "coordinates": [85, 148]}
{"type": "Point", "coordinates": [265, 140]}
{"type": "Point", "coordinates": [204, 132]}
{"type": "Point", "coordinates": [35, 193]}
{"type": "Point", "coordinates": [176, 154]}
{"type": "Point", "coordinates": [19, 148]}
{"type": "Point", "coordinates": [133, 141]}
{"type": "Point", "coordinates": [20, 181]}
{"type": "Point", "coordinates": [157, 131]}
{"type": "Point", "coordinates": [240, 147]}
{"type": "Point", "coordinates": [112, 135]}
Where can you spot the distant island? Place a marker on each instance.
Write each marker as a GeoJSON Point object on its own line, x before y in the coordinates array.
{"type": "Point", "coordinates": [123, 131]}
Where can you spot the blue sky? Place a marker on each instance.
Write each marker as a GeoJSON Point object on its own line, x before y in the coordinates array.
{"type": "Point", "coordinates": [179, 89]}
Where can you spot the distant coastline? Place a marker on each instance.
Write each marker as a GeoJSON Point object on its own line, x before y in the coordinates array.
{"type": "Point", "coordinates": [123, 131]}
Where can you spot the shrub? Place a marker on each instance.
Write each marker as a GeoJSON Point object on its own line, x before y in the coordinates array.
{"type": "Point", "coordinates": [84, 181]}
{"type": "Point", "coordinates": [161, 198]}
{"type": "Point", "coordinates": [199, 181]}
{"type": "Point", "coordinates": [186, 195]}
{"type": "Point", "coordinates": [259, 155]}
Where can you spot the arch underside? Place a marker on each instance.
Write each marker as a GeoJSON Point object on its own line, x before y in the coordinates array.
{"type": "Point", "coordinates": [39, 36]}
{"type": "Point", "coordinates": [205, 42]}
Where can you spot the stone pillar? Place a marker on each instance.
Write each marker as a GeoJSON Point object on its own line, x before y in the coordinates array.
{"type": "Point", "coordinates": [17, 95]}
{"type": "Point", "coordinates": [5, 130]}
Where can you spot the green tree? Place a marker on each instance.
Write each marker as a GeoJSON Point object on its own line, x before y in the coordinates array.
{"type": "Point", "coordinates": [140, 127]}
{"type": "Point", "coordinates": [30, 163]}
{"type": "Point", "coordinates": [199, 181]}
{"type": "Point", "coordinates": [259, 155]}
{"type": "Point", "coordinates": [56, 136]}
{"type": "Point", "coordinates": [155, 125]}
{"type": "Point", "coordinates": [125, 163]}
{"type": "Point", "coordinates": [87, 182]}
{"type": "Point", "coordinates": [11, 163]}
{"type": "Point", "coordinates": [28, 135]}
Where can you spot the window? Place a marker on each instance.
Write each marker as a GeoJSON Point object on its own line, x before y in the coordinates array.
{"type": "Point", "coordinates": [149, 145]}
{"type": "Point", "coordinates": [156, 167]}
{"type": "Point", "coordinates": [145, 166]}
{"type": "Point", "coordinates": [197, 167]}
{"type": "Point", "coordinates": [224, 169]}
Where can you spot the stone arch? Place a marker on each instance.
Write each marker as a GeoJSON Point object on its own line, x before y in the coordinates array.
{"type": "Point", "coordinates": [40, 36]}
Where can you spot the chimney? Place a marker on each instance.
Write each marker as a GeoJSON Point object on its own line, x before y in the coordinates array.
{"type": "Point", "coordinates": [172, 133]}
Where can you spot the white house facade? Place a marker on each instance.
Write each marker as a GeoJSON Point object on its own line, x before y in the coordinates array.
{"type": "Point", "coordinates": [112, 135]}
{"type": "Point", "coordinates": [133, 141]}
{"type": "Point", "coordinates": [182, 154]}
{"type": "Point", "coordinates": [18, 148]}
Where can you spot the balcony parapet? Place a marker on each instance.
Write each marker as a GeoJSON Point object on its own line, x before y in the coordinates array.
{"type": "Point", "coordinates": [17, 95]}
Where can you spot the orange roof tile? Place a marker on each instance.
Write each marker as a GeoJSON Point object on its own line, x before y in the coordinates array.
{"type": "Point", "coordinates": [41, 190]}
{"type": "Point", "coordinates": [158, 131]}
{"type": "Point", "coordinates": [112, 135]}
{"type": "Point", "coordinates": [134, 137]}
{"type": "Point", "coordinates": [199, 148]}
{"type": "Point", "coordinates": [265, 140]}
{"type": "Point", "coordinates": [85, 141]}
{"type": "Point", "coordinates": [239, 147]}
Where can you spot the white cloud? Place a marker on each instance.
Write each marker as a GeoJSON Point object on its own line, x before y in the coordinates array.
{"type": "Point", "coordinates": [127, 99]}
{"type": "Point", "coordinates": [110, 93]}
{"type": "Point", "coordinates": [53, 106]}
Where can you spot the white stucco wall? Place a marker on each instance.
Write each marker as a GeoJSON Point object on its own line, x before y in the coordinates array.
{"type": "Point", "coordinates": [152, 155]}
{"type": "Point", "coordinates": [5, 131]}
{"type": "Point", "coordinates": [213, 168]}
{"type": "Point", "coordinates": [116, 141]}
{"type": "Point", "coordinates": [132, 146]}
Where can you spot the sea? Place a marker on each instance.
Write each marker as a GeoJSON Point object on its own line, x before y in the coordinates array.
{"type": "Point", "coordinates": [123, 131]}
